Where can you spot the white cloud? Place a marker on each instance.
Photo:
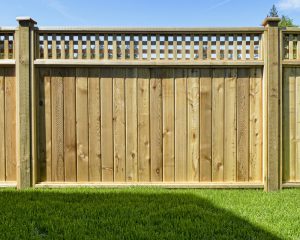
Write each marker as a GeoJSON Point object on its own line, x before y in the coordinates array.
{"type": "Point", "coordinates": [289, 4]}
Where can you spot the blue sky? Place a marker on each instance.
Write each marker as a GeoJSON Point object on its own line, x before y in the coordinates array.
{"type": "Point", "coordinates": [155, 13]}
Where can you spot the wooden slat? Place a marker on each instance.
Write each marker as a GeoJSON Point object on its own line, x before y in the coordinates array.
{"type": "Point", "coordinates": [70, 125]}
{"type": "Point", "coordinates": [230, 142]}
{"type": "Point", "coordinates": [235, 53]}
{"type": "Point", "coordinates": [94, 125]}
{"type": "Point", "coordinates": [54, 52]}
{"type": "Point", "coordinates": [218, 125]}
{"type": "Point", "coordinates": [123, 47]}
{"type": "Point", "coordinates": [97, 46]}
{"type": "Point", "coordinates": [57, 102]}
{"type": "Point", "coordinates": [180, 125]}
{"type": "Point", "coordinates": [192, 48]}
{"type": "Point", "coordinates": [243, 47]}
{"type": "Point", "coordinates": [62, 45]}
{"type": "Point", "coordinates": [200, 47]}
{"type": "Point", "coordinates": [115, 49]}
{"type": "Point", "coordinates": [183, 51]}
{"type": "Point", "coordinates": [10, 124]}
{"type": "Point", "coordinates": [297, 114]}
{"type": "Point", "coordinates": [80, 53]}
{"type": "Point", "coordinates": [2, 125]}
{"type": "Point", "coordinates": [166, 48]}
{"type": "Point", "coordinates": [6, 46]}
{"type": "Point", "coordinates": [291, 47]}
{"type": "Point", "coordinates": [143, 125]}
{"type": "Point", "coordinates": [168, 125]}
{"type": "Point", "coordinates": [193, 125]}
{"type": "Point", "coordinates": [218, 47]}
{"type": "Point", "coordinates": [208, 47]}
{"type": "Point", "coordinates": [156, 126]}
{"type": "Point", "coordinates": [286, 125]}
{"type": "Point", "coordinates": [48, 123]}
{"type": "Point", "coordinates": [119, 124]}
{"type": "Point", "coordinates": [251, 47]}
{"type": "Point", "coordinates": [174, 47]}
{"type": "Point", "coordinates": [243, 125]}
{"type": "Point", "coordinates": [226, 47]}
{"type": "Point", "coordinates": [157, 51]}
{"type": "Point", "coordinates": [255, 126]}
{"type": "Point", "coordinates": [298, 46]}
{"type": "Point", "coordinates": [71, 47]}
{"type": "Point", "coordinates": [106, 95]}
{"type": "Point", "coordinates": [205, 125]}
{"type": "Point", "coordinates": [131, 48]}
{"type": "Point", "coordinates": [131, 125]}
{"type": "Point", "coordinates": [82, 127]}
{"type": "Point", "coordinates": [45, 46]}
{"type": "Point", "coordinates": [88, 46]}
{"type": "Point", "coordinates": [105, 47]}
{"type": "Point", "coordinates": [140, 46]}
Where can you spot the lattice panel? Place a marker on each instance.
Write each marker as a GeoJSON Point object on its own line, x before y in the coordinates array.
{"type": "Point", "coordinates": [291, 46]}
{"type": "Point", "coordinates": [185, 47]}
{"type": "Point", "coordinates": [6, 45]}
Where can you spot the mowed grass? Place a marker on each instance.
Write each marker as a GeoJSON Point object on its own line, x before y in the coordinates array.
{"type": "Point", "coordinates": [149, 213]}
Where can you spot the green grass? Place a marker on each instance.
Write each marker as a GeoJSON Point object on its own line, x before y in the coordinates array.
{"type": "Point", "coordinates": [149, 213]}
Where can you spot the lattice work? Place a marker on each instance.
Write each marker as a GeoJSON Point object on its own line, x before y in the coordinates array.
{"type": "Point", "coordinates": [158, 46]}
{"type": "Point", "coordinates": [291, 46]}
{"type": "Point", "coordinates": [6, 45]}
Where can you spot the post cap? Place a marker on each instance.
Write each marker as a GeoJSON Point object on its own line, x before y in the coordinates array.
{"type": "Point", "coordinates": [272, 21]}
{"type": "Point", "coordinates": [25, 19]}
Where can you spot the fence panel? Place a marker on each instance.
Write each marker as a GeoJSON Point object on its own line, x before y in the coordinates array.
{"type": "Point", "coordinates": [143, 124]}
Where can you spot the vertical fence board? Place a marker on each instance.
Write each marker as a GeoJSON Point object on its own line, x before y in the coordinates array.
{"type": "Point", "coordinates": [10, 124]}
{"type": "Point", "coordinates": [94, 125]}
{"type": "Point", "coordinates": [106, 96]}
{"type": "Point", "coordinates": [230, 121]}
{"type": "Point", "coordinates": [217, 125]}
{"type": "Point", "coordinates": [193, 125]}
{"type": "Point", "coordinates": [70, 125]}
{"type": "Point", "coordinates": [297, 113]}
{"type": "Point", "coordinates": [119, 124]}
{"type": "Point", "coordinates": [82, 131]}
{"type": "Point", "coordinates": [57, 92]}
{"type": "Point", "coordinates": [2, 125]}
{"type": "Point", "coordinates": [143, 124]}
{"type": "Point", "coordinates": [243, 125]}
{"type": "Point", "coordinates": [180, 125]}
{"type": "Point", "coordinates": [205, 125]}
{"type": "Point", "coordinates": [255, 126]}
{"type": "Point", "coordinates": [168, 125]}
{"type": "Point", "coordinates": [156, 126]}
{"type": "Point", "coordinates": [131, 125]}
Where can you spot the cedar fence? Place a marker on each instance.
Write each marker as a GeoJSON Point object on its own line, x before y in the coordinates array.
{"type": "Point", "coordinates": [169, 107]}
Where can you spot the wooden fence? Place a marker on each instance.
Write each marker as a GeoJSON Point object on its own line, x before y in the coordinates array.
{"type": "Point", "coordinates": [185, 107]}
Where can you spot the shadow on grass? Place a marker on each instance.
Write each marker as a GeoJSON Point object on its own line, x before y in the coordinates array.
{"type": "Point", "coordinates": [108, 214]}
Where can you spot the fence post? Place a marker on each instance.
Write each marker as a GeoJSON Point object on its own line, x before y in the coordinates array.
{"type": "Point", "coordinates": [272, 110]}
{"type": "Point", "coordinates": [24, 61]}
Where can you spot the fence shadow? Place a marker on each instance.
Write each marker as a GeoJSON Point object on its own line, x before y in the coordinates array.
{"type": "Point", "coordinates": [119, 215]}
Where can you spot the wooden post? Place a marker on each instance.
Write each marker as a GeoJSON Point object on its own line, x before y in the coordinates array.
{"type": "Point", "coordinates": [272, 107]}
{"type": "Point", "coordinates": [24, 61]}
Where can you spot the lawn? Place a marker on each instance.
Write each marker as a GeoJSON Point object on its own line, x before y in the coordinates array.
{"type": "Point", "coordinates": [149, 213]}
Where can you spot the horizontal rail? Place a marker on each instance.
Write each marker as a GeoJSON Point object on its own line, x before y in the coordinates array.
{"type": "Point", "coordinates": [6, 62]}
{"type": "Point", "coordinates": [149, 30]}
{"type": "Point", "coordinates": [8, 184]}
{"type": "Point", "coordinates": [291, 185]}
{"type": "Point", "coordinates": [161, 185]}
{"type": "Point", "coordinates": [78, 62]}
{"type": "Point", "coordinates": [291, 62]}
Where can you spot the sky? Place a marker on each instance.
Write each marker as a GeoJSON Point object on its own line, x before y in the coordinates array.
{"type": "Point", "coordinates": [146, 13]}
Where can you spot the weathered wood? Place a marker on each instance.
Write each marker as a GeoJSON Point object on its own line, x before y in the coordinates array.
{"type": "Point", "coordinates": [297, 113]}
